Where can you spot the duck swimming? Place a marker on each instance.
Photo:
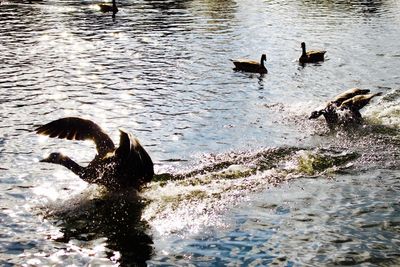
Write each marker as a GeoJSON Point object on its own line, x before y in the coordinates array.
{"type": "Point", "coordinates": [251, 65]}
{"type": "Point", "coordinates": [311, 56]}
{"type": "Point", "coordinates": [109, 8]}
{"type": "Point", "coordinates": [129, 165]}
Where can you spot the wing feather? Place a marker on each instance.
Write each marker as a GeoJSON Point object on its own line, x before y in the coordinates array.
{"type": "Point", "coordinates": [131, 152]}
{"type": "Point", "coordinates": [73, 128]}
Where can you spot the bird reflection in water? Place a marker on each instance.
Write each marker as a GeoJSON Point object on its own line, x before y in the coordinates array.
{"type": "Point", "coordinates": [109, 8]}
{"type": "Point", "coordinates": [115, 217]}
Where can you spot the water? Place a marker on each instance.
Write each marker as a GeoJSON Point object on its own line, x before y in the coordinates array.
{"type": "Point", "coordinates": [296, 225]}
{"type": "Point", "coordinates": [243, 178]}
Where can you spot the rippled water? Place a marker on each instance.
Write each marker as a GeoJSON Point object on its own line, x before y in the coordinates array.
{"type": "Point", "coordinates": [243, 178]}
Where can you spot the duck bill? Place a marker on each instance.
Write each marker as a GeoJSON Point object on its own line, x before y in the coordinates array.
{"type": "Point", "coordinates": [44, 160]}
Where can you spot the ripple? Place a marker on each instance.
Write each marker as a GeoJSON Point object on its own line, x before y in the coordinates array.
{"type": "Point", "coordinates": [161, 69]}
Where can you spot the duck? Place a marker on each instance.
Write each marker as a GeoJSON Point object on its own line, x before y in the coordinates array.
{"type": "Point", "coordinates": [311, 56]}
{"type": "Point", "coordinates": [251, 65]}
{"type": "Point", "coordinates": [330, 110]}
{"type": "Point", "coordinates": [329, 113]}
{"type": "Point", "coordinates": [109, 8]}
{"type": "Point", "coordinates": [356, 103]}
{"type": "Point", "coordinates": [127, 166]}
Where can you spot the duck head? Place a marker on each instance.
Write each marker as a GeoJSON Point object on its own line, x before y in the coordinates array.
{"type": "Point", "coordinates": [263, 59]}
{"type": "Point", "coordinates": [56, 158]}
{"type": "Point", "coordinates": [315, 114]}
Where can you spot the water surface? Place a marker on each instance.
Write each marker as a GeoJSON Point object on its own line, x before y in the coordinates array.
{"type": "Point", "coordinates": [248, 179]}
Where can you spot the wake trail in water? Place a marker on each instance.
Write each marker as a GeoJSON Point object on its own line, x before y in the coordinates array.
{"type": "Point", "coordinates": [188, 201]}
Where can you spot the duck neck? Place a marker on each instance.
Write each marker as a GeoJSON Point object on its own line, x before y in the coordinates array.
{"type": "Point", "coordinates": [72, 165]}
{"type": "Point", "coordinates": [303, 47]}
{"type": "Point", "coordinates": [114, 4]}
{"type": "Point", "coordinates": [262, 61]}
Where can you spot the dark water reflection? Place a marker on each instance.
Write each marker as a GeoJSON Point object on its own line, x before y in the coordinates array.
{"type": "Point", "coordinates": [356, 6]}
{"type": "Point", "coordinates": [161, 70]}
{"type": "Point", "coordinates": [117, 218]}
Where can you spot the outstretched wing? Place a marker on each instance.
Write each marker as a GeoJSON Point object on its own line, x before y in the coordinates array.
{"type": "Point", "coordinates": [339, 99]}
{"type": "Point", "coordinates": [72, 128]}
{"type": "Point", "coordinates": [358, 102]}
{"type": "Point", "coordinates": [135, 159]}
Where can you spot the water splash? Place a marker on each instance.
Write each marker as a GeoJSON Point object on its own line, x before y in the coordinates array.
{"type": "Point", "coordinates": [189, 202]}
{"type": "Point", "coordinates": [387, 110]}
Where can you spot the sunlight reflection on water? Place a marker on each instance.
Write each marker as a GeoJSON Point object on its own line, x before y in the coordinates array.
{"type": "Point", "coordinates": [161, 70]}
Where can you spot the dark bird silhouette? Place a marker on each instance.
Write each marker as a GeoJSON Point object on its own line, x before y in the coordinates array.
{"type": "Point", "coordinates": [109, 8]}
{"type": "Point", "coordinates": [129, 165]}
{"type": "Point", "coordinates": [329, 113]}
{"type": "Point", "coordinates": [330, 110]}
{"type": "Point", "coordinates": [311, 56]}
{"type": "Point", "coordinates": [251, 65]}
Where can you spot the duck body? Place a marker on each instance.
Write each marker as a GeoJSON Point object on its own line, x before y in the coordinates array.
{"type": "Point", "coordinates": [129, 165]}
{"type": "Point", "coordinates": [109, 8]}
{"type": "Point", "coordinates": [311, 56]}
{"type": "Point", "coordinates": [251, 65]}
